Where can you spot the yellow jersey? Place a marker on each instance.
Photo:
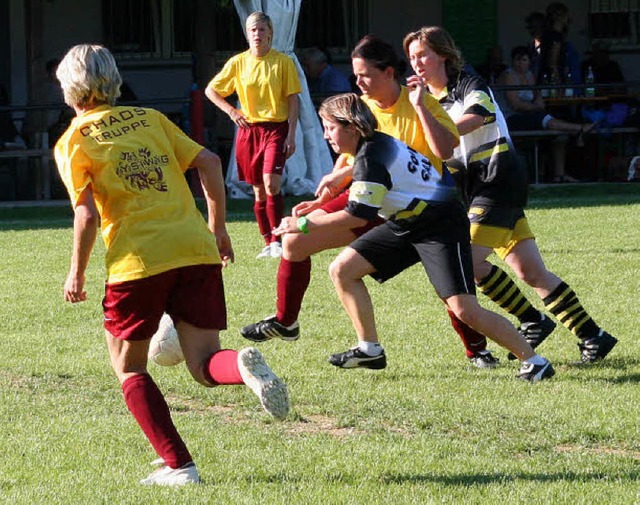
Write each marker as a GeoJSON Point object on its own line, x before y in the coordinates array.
{"type": "Point", "coordinates": [262, 84]}
{"type": "Point", "coordinates": [401, 121]}
{"type": "Point", "coordinates": [134, 159]}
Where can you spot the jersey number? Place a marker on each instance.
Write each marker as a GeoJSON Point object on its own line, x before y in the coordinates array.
{"type": "Point", "coordinates": [417, 161]}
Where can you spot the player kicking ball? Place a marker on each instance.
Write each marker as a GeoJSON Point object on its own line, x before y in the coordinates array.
{"type": "Point", "coordinates": [124, 167]}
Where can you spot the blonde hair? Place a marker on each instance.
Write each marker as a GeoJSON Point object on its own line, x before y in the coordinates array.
{"type": "Point", "coordinates": [260, 17]}
{"type": "Point", "coordinates": [89, 74]}
{"type": "Point", "coordinates": [440, 42]}
{"type": "Point", "coordinates": [349, 109]}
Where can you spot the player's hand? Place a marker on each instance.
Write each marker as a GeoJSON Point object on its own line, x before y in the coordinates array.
{"type": "Point", "coordinates": [287, 225]}
{"type": "Point", "coordinates": [416, 89]}
{"type": "Point", "coordinates": [223, 241]}
{"type": "Point", "coordinates": [304, 208]}
{"type": "Point", "coordinates": [239, 118]}
{"type": "Point", "coordinates": [74, 288]}
{"type": "Point", "coordinates": [332, 183]}
{"type": "Point", "coordinates": [290, 145]}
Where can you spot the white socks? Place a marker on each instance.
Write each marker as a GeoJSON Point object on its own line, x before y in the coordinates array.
{"type": "Point", "coordinates": [370, 348]}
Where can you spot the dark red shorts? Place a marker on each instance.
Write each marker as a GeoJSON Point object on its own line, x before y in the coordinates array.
{"type": "Point", "coordinates": [339, 203]}
{"type": "Point", "coordinates": [194, 294]}
{"type": "Point", "coordinates": [260, 150]}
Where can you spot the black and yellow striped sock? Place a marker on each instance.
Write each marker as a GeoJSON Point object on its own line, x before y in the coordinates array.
{"type": "Point", "coordinates": [563, 303]}
{"type": "Point", "coordinates": [500, 288]}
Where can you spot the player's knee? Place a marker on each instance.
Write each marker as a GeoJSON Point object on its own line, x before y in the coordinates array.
{"type": "Point", "coordinates": [338, 270]}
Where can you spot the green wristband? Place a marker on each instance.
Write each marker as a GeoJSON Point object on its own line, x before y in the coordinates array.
{"type": "Point", "coordinates": [302, 224]}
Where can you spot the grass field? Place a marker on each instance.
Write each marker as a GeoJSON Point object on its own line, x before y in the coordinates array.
{"type": "Point", "coordinates": [428, 429]}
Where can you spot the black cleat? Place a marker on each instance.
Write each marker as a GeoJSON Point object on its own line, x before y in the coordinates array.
{"type": "Point", "coordinates": [596, 348]}
{"type": "Point", "coordinates": [534, 373]}
{"type": "Point", "coordinates": [535, 333]}
{"type": "Point", "coordinates": [270, 328]}
{"type": "Point", "coordinates": [355, 358]}
{"type": "Point", "coordinates": [484, 359]}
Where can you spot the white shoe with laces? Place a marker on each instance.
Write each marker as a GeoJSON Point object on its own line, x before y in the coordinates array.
{"type": "Point", "coordinates": [265, 253]}
{"type": "Point", "coordinates": [257, 375]}
{"type": "Point", "coordinates": [167, 476]}
{"type": "Point", "coordinates": [275, 249]}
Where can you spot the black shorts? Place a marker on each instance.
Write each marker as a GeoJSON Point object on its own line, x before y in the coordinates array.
{"type": "Point", "coordinates": [448, 264]}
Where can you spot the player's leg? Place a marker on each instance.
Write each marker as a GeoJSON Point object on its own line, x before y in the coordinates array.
{"type": "Point", "coordinates": [249, 159]}
{"type": "Point", "coordinates": [501, 331]}
{"type": "Point", "coordinates": [450, 269]}
{"type": "Point", "coordinates": [501, 229]}
{"type": "Point", "coordinates": [560, 300]}
{"type": "Point", "coordinates": [381, 254]}
{"type": "Point", "coordinates": [132, 311]}
{"type": "Point", "coordinates": [197, 305]}
{"type": "Point", "coordinates": [274, 158]}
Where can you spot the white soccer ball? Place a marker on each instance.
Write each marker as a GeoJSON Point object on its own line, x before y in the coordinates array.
{"type": "Point", "coordinates": [164, 348]}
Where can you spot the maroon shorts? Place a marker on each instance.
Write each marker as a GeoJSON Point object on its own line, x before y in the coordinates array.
{"type": "Point", "coordinates": [339, 203]}
{"type": "Point", "coordinates": [193, 294]}
{"type": "Point", "coordinates": [260, 150]}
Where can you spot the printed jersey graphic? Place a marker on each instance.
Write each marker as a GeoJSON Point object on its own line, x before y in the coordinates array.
{"type": "Point", "coordinates": [143, 170]}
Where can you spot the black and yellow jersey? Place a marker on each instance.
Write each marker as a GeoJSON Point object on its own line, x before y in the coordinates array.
{"type": "Point", "coordinates": [392, 180]}
{"type": "Point", "coordinates": [488, 170]}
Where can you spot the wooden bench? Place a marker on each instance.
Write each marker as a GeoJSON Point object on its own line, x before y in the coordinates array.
{"type": "Point", "coordinates": [537, 135]}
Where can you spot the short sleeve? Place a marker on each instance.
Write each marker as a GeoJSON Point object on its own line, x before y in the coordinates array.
{"type": "Point", "coordinates": [224, 82]}
{"type": "Point", "coordinates": [73, 166]}
{"type": "Point", "coordinates": [184, 149]}
{"type": "Point", "coordinates": [291, 83]}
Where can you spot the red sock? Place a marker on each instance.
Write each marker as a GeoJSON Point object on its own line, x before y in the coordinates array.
{"type": "Point", "coordinates": [222, 368]}
{"type": "Point", "coordinates": [260, 211]}
{"type": "Point", "coordinates": [293, 280]}
{"type": "Point", "coordinates": [472, 340]}
{"type": "Point", "coordinates": [148, 406]}
{"type": "Point", "coordinates": [275, 210]}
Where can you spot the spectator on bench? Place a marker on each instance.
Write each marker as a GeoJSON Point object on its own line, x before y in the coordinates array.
{"type": "Point", "coordinates": [524, 109]}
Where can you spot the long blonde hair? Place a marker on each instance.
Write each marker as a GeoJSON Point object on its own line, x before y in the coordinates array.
{"type": "Point", "coordinates": [88, 74]}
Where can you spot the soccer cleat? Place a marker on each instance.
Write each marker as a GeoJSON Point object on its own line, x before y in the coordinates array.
{"type": "Point", "coordinates": [275, 249]}
{"type": "Point", "coordinates": [484, 359]}
{"type": "Point", "coordinates": [596, 348]}
{"type": "Point", "coordinates": [535, 333]}
{"type": "Point", "coordinates": [265, 253]}
{"type": "Point", "coordinates": [270, 328]}
{"type": "Point", "coordinates": [167, 476]}
{"type": "Point", "coordinates": [356, 358]}
{"type": "Point", "coordinates": [534, 373]}
{"type": "Point", "coordinates": [257, 375]}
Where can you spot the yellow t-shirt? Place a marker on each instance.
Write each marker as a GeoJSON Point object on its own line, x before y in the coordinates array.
{"type": "Point", "coordinates": [134, 159]}
{"type": "Point", "coordinates": [262, 84]}
{"type": "Point", "coordinates": [401, 121]}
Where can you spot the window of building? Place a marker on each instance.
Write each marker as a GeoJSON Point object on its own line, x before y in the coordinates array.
{"type": "Point", "coordinates": [615, 21]}
{"type": "Point", "coordinates": [334, 25]}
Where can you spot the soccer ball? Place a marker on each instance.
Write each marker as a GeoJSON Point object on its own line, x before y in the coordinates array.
{"type": "Point", "coordinates": [164, 348]}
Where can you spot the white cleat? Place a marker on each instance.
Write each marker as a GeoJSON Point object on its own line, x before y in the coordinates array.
{"type": "Point", "coordinates": [167, 476]}
{"type": "Point", "coordinates": [256, 374]}
{"type": "Point", "coordinates": [265, 253]}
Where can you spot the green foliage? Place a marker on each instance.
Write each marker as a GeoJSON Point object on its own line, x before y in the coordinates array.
{"type": "Point", "coordinates": [428, 429]}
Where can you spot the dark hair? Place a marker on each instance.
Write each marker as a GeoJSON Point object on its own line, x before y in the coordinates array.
{"type": "Point", "coordinates": [520, 51]}
{"type": "Point", "coordinates": [554, 10]}
{"type": "Point", "coordinates": [380, 54]}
